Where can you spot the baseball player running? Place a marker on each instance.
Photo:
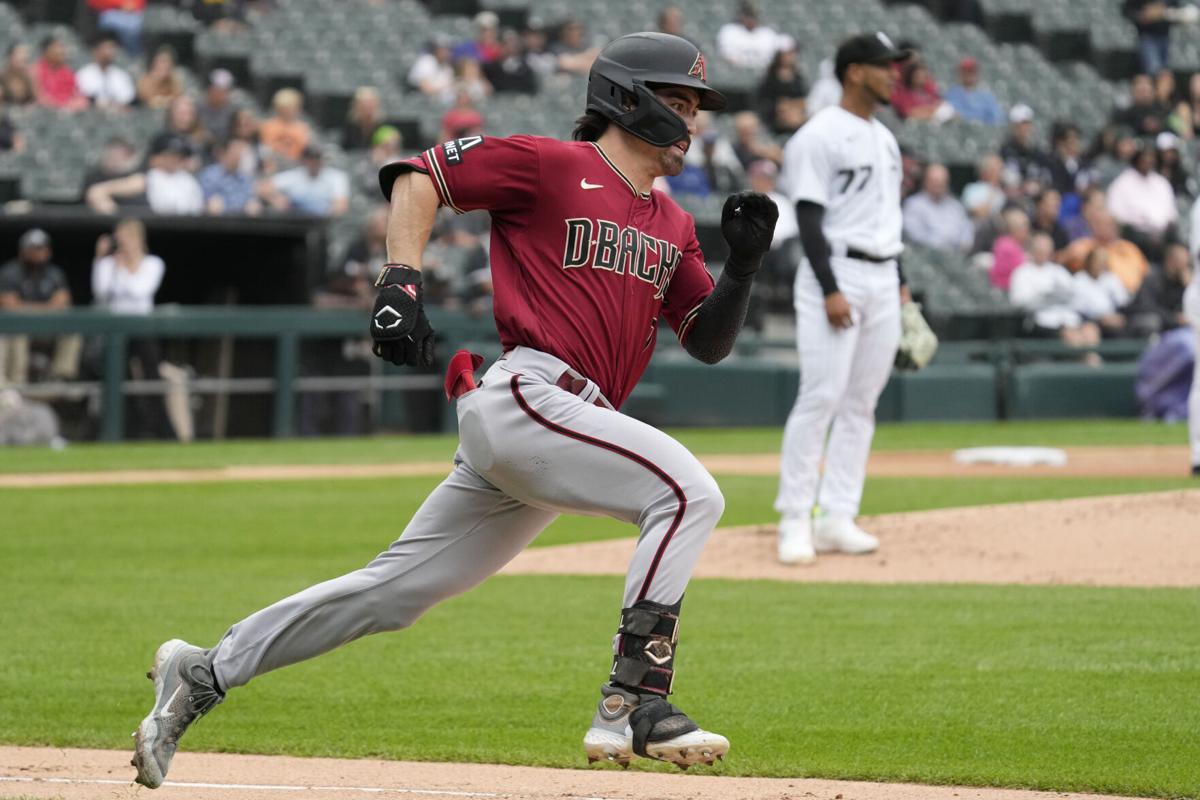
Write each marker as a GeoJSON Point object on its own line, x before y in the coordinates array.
{"type": "Point", "coordinates": [585, 260]}
{"type": "Point", "coordinates": [842, 170]}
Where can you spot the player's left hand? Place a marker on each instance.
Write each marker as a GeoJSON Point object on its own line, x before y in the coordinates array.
{"type": "Point", "coordinates": [748, 225]}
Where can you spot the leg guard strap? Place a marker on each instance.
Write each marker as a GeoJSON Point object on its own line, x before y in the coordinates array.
{"type": "Point", "coordinates": [656, 720]}
{"type": "Point", "coordinates": [644, 648]}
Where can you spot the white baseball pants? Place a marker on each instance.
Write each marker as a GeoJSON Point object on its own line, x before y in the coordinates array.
{"type": "Point", "coordinates": [842, 374]}
{"type": "Point", "coordinates": [529, 451]}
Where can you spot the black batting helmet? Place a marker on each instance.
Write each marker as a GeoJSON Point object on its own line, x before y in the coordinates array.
{"type": "Point", "coordinates": [624, 75]}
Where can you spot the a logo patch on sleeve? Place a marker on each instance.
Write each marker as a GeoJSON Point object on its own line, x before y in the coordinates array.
{"type": "Point", "coordinates": [455, 148]}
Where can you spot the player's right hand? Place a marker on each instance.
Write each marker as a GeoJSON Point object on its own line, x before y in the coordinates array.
{"type": "Point", "coordinates": [400, 330]}
{"type": "Point", "coordinates": [837, 310]}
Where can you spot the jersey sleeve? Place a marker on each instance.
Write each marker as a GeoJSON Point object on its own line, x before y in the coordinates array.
{"type": "Point", "coordinates": [476, 172]}
{"type": "Point", "coordinates": [807, 169]}
{"type": "Point", "coordinates": [689, 287]}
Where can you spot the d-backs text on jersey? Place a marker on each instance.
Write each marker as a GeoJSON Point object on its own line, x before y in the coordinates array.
{"type": "Point", "coordinates": [602, 244]}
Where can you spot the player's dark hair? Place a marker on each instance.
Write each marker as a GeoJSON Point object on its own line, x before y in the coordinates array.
{"type": "Point", "coordinates": [590, 126]}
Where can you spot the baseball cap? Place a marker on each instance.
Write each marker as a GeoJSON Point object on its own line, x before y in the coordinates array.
{"type": "Point", "coordinates": [34, 237]}
{"type": "Point", "coordinates": [221, 79]}
{"type": "Point", "coordinates": [968, 64]}
{"type": "Point", "coordinates": [1020, 113]}
{"type": "Point", "coordinates": [166, 142]}
{"type": "Point", "coordinates": [1166, 141]}
{"type": "Point", "coordinates": [311, 151]}
{"type": "Point", "coordinates": [867, 48]}
{"type": "Point", "coordinates": [459, 121]}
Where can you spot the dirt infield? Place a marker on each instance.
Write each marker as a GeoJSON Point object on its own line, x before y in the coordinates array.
{"type": "Point", "coordinates": [1145, 461]}
{"type": "Point", "coordinates": [1128, 540]}
{"type": "Point", "coordinates": [79, 774]}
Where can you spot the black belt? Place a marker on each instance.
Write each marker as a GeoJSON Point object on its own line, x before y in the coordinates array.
{"type": "Point", "coordinates": [861, 256]}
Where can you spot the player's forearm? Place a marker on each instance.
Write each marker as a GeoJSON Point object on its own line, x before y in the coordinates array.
{"type": "Point", "coordinates": [414, 206]}
{"type": "Point", "coordinates": [816, 247]}
{"type": "Point", "coordinates": [719, 319]}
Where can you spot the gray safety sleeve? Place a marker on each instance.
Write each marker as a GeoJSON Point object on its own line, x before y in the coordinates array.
{"type": "Point", "coordinates": [719, 319]}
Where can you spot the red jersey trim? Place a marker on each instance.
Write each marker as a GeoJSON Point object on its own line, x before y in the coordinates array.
{"type": "Point", "coordinates": [685, 326]}
{"type": "Point", "coordinates": [621, 175]}
{"type": "Point", "coordinates": [435, 171]}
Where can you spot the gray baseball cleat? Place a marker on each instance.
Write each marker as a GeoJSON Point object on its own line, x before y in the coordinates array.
{"type": "Point", "coordinates": [184, 691]}
{"type": "Point", "coordinates": [627, 725]}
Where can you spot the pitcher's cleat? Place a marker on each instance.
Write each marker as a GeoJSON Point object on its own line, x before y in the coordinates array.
{"type": "Point", "coordinates": [836, 533]}
{"type": "Point", "coordinates": [184, 691]}
{"type": "Point", "coordinates": [628, 725]}
{"type": "Point", "coordinates": [796, 541]}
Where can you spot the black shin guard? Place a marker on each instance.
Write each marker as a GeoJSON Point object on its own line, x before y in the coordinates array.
{"type": "Point", "coordinates": [644, 648]}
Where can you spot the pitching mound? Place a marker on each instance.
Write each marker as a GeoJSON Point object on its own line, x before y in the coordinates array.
{"type": "Point", "coordinates": [1128, 540]}
{"type": "Point", "coordinates": [79, 774]}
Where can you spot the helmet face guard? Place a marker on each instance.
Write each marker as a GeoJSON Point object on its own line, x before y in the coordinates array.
{"type": "Point", "coordinates": [622, 81]}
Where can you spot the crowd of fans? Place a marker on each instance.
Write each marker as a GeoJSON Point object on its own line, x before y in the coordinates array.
{"type": "Point", "coordinates": [1083, 235]}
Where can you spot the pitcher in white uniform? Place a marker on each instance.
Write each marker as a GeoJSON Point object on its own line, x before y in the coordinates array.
{"type": "Point", "coordinates": [843, 172]}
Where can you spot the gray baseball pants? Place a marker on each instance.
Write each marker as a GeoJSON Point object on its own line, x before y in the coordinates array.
{"type": "Point", "coordinates": [529, 450]}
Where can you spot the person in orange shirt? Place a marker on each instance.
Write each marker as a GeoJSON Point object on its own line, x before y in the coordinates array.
{"type": "Point", "coordinates": [1125, 260]}
{"type": "Point", "coordinates": [284, 132]}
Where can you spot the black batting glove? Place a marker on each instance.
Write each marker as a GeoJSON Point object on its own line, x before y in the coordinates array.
{"type": "Point", "coordinates": [401, 332]}
{"type": "Point", "coordinates": [748, 225]}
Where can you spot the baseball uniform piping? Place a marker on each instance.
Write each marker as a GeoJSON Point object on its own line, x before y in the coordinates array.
{"type": "Point", "coordinates": [685, 327]}
{"type": "Point", "coordinates": [435, 169]}
{"type": "Point", "coordinates": [621, 451]}
{"type": "Point", "coordinates": [621, 175]}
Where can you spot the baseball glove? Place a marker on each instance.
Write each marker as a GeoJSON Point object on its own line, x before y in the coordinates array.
{"type": "Point", "coordinates": [917, 342]}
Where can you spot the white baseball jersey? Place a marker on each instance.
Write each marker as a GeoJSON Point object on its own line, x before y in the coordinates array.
{"type": "Point", "coordinates": [851, 166]}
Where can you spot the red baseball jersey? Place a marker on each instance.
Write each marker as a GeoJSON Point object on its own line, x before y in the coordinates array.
{"type": "Point", "coordinates": [583, 265]}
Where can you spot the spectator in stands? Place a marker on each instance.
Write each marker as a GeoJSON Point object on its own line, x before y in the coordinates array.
{"type": "Point", "coordinates": [971, 100]}
{"type": "Point", "coordinates": [1158, 305]}
{"type": "Point", "coordinates": [933, 217]}
{"type": "Point", "coordinates": [511, 71]}
{"type": "Point", "coordinates": [1098, 295]}
{"type": "Point", "coordinates": [216, 111]}
{"type": "Point", "coordinates": [1170, 166]}
{"type": "Point", "coordinates": [162, 82]}
{"type": "Point", "coordinates": [1143, 203]}
{"type": "Point", "coordinates": [352, 286]}
{"type": "Point", "coordinates": [16, 82]}
{"type": "Point", "coordinates": [749, 142]}
{"type": "Point", "coordinates": [432, 74]}
{"type": "Point", "coordinates": [32, 282]}
{"type": "Point", "coordinates": [462, 120]}
{"type": "Point", "coordinates": [782, 92]}
{"type": "Point", "coordinates": [10, 137]}
{"type": "Point", "coordinates": [575, 55]}
{"type": "Point", "coordinates": [228, 190]}
{"type": "Point", "coordinates": [117, 160]}
{"type": "Point", "coordinates": [1079, 226]}
{"type": "Point", "coordinates": [102, 82]}
{"type": "Point", "coordinates": [55, 80]}
{"type": "Point", "coordinates": [1024, 163]}
{"type": "Point", "coordinates": [916, 95]}
{"type": "Point", "coordinates": [1045, 290]}
{"type": "Point", "coordinates": [1164, 88]}
{"type": "Point", "coordinates": [469, 80]}
{"type": "Point", "coordinates": [221, 16]}
{"type": "Point", "coordinates": [745, 42]}
{"type": "Point", "coordinates": [125, 279]}
{"type": "Point", "coordinates": [122, 19]}
{"type": "Point", "coordinates": [285, 133]}
{"type": "Point", "coordinates": [711, 165]}
{"type": "Point", "coordinates": [1145, 116]}
{"type": "Point", "coordinates": [1185, 118]}
{"type": "Point", "coordinates": [1069, 173]}
{"type": "Point", "coordinates": [670, 20]}
{"type": "Point", "coordinates": [363, 118]}
{"type": "Point", "coordinates": [537, 48]}
{"type": "Point", "coordinates": [1124, 258]}
{"type": "Point", "coordinates": [311, 188]}
{"type": "Point", "coordinates": [1153, 19]}
{"type": "Point", "coordinates": [245, 127]}
{"type": "Point", "coordinates": [1008, 252]}
{"type": "Point", "coordinates": [182, 121]}
{"type": "Point", "coordinates": [1046, 207]}
{"type": "Point", "coordinates": [387, 145]}
{"type": "Point", "coordinates": [485, 47]}
{"type": "Point", "coordinates": [168, 186]}
{"type": "Point", "coordinates": [984, 198]}
{"type": "Point", "coordinates": [826, 90]}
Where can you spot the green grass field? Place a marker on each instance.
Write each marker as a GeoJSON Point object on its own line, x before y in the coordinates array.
{"type": "Point", "coordinates": [1057, 688]}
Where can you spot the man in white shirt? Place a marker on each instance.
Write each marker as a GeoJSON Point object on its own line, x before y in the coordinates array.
{"type": "Point", "coordinates": [842, 171]}
{"type": "Point", "coordinates": [1141, 198]}
{"type": "Point", "coordinates": [746, 43]}
{"type": "Point", "coordinates": [1045, 290]}
{"type": "Point", "coordinates": [1098, 295]}
{"type": "Point", "coordinates": [102, 82]}
{"type": "Point", "coordinates": [311, 188]}
{"type": "Point", "coordinates": [934, 218]}
{"type": "Point", "coordinates": [168, 186]}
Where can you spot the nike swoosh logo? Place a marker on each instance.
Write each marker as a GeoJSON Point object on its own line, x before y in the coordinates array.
{"type": "Point", "coordinates": [167, 712]}
{"type": "Point", "coordinates": [583, 184]}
